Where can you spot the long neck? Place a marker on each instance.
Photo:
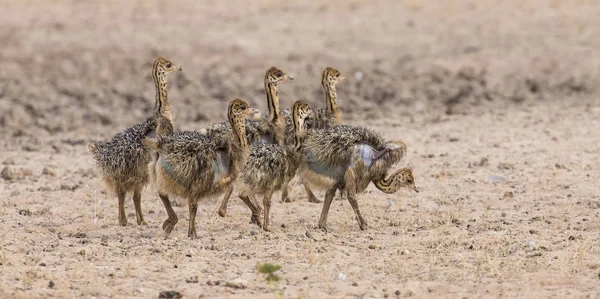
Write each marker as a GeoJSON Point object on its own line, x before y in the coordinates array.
{"type": "Point", "coordinates": [272, 101]}
{"type": "Point", "coordinates": [161, 106]}
{"type": "Point", "coordinates": [274, 116]}
{"type": "Point", "coordinates": [386, 186]}
{"type": "Point", "coordinates": [298, 128]}
{"type": "Point", "coordinates": [239, 131]}
{"type": "Point", "coordinates": [330, 97]}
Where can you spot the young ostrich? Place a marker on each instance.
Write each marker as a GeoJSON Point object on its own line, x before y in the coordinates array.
{"type": "Point", "coordinates": [271, 166]}
{"type": "Point", "coordinates": [195, 166]}
{"type": "Point", "coordinates": [123, 160]}
{"type": "Point", "coordinates": [347, 158]}
{"type": "Point", "coordinates": [319, 119]}
{"type": "Point", "coordinates": [265, 130]}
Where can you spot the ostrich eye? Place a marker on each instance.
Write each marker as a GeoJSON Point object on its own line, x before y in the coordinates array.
{"type": "Point", "coordinates": [169, 65]}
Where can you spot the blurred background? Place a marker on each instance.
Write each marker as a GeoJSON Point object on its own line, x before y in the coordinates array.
{"type": "Point", "coordinates": [82, 68]}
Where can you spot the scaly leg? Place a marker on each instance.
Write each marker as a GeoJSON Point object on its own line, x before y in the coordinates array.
{"type": "Point", "coordinates": [169, 224]}
{"type": "Point", "coordinates": [266, 210]}
{"type": "Point", "coordinates": [122, 216]}
{"type": "Point", "coordinates": [285, 192]}
{"type": "Point", "coordinates": [137, 202]}
{"type": "Point", "coordinates": [329, 194]}
{"type": "Point", "coordinates": [223, 207]}
{"type": "Point", "coordinates": [193, 207]}
{"type": "Point", "coordinates": [285, 189]}
{"type": "Point", "coordinates": [354, 203]}
{"type": "Point", "coordinates": [311, 196]}
{"type": "Point", "coordinates": [254, 209]}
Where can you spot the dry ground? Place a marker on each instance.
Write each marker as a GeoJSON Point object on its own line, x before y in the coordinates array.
{"type": "Point", "coordinates": [479, 90]}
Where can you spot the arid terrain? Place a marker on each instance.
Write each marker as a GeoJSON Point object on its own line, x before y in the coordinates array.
{"type": "Point", "coordinates": [498, 102]}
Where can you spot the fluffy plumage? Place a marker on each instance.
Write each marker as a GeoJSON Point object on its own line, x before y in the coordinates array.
{"type": "Point", "coordinates": [195, 166]}
{"type": "Point", "coordinates": [270, 167]}
{"type": "Point", "coordinates": [325, 118]}
{"type": "Point", "coordinates": [347, 158]}
{"type": "Point", "coordinates": [266, 130]}
{"type": "Point", "coordinates": [123, 160]}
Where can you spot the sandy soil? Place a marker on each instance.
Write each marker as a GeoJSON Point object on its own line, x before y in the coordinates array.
{"type": "Point", "coordinates": [479, 90]}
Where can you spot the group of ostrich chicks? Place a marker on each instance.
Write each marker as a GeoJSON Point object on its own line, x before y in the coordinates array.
{"type": "Point", "coordinates": [257, 156]}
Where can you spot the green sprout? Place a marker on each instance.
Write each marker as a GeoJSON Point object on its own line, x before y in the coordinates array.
{"type": "Point", "coordinates": [270, 270]}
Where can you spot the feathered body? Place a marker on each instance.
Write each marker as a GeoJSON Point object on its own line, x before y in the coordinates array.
{"type": "Point", "coordinates": [270, 167]}
{"type": "Point", "coordinates": [265, 130]}
{"type": "Point", "coordinates": [348, 158]}
{"type": "Point", "coordinates": [267, 168]}
{"type": "Point", "coordinates": [328, 117]}
{"type": "Point", "coordinates": [192, 163]}
{"type": "Point", "coordinates": [123, 160]}
{"type": "Point", "coordinates": [329, 153]}
{"type": "Point", "coordinates": [256, 130]}
{"type": "Point", "coordinates": [194, 166]}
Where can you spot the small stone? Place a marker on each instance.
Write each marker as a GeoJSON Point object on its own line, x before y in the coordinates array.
{"type": "Point", "coordinates": [51, 284]}
{"type": "Point", "coordinates": [305, 278]}
{"type": "Point", "coordinates": [104, 241]}
{"type": "Point", "coordinates": [354, 284]}
{"type": "Point", "coordinates": [48, 172]}
{"type": "Point", "coordinates": [188, 255]}
{"type": "Point", "coordinates": [309, 235]}
{"type": "Point", "coordinates": [42, 264]}
{"type": "Point", "coordinates": [193, 279]}
{"type": "Point", "coordinates": [372, 246]}
{"type": "Point", "coordinates": [236, 283]}
{"type": "Point", "coordinates": [80, 235]}
{"type": "Point", "coordinates": [82, 252]}
{"type": "Point", "coordinates": [8, 174]}
{"type": "Point", "coordinates": [169, 295]}
{"type": "Point", "coordinates": [483, 162]}
{"type": "Point", "coordinates": [24, 212]}
{"type": "Point", "coordinates": [493, 179]}
{"type": "Point", "coordinates": [397, 293]}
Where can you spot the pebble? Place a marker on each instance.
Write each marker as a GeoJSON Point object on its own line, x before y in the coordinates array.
{"type": "Point", "coordinates": [169, 295]}
{"type": "Point", "coordinates": [493, 179]}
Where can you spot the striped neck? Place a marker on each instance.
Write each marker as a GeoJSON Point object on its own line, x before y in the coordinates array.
{"type": "Point", "coordinates": [161, 105]}
{"type": "Point", "coordinates": [330, 95]}
{"type": "Point", "coordinates": [272, 101]}
{"type": "Point", "coordinates": [386, 185]}
{"type": "Point", "coordinates": [239, 131]}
